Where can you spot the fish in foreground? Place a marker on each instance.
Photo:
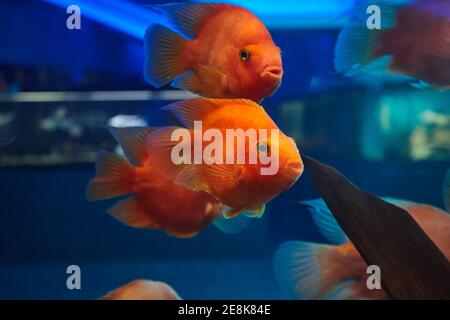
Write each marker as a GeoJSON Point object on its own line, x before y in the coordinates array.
{"type": "Point", "coordinates": [154, 201]}
{"type": "Point", "coordinates": [142, 290]}
{"type": "Point", "coordinates": [413, 42]}
{"type": "Point", "coordinates": [319, 271]}
{"type": "Point", "coordinates": [239, 187]}
{"type": "Point", "coordinates": [229, 53]}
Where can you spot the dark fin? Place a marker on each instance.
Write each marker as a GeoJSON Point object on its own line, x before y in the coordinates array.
{"type": "Point", "coordinates": [128, 212]}
{"type": "Point", "coordinates": [325, 221]}
{"type": "Point", "coordinates": [205, 81]}
{"type": "Point", "coordinates": [234, 225]}
{"type": "Point", "coordinates": [114, 177]}
{"type": "Point", "coordinates": [446, 191]}
{"type": "Point", "coordinates": [404, 204]}
{"type": "Point", "coordinates": [164, 50]}
{"type": "Point", "coordinates": [196, 109]}
{"type": "Point", "coordinates": [159, 147]}
{"type": "Point", "coordinates": [189, 18]}
{"type": "Point", "coordinates": [132, 140]}
{"type": "Point", "coordinates": [368, 220]}
{"type": "Point", "coordinates": [304, 268]}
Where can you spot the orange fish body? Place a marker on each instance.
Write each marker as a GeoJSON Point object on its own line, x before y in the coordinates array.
{"type": "Point", "coordinates": [339, 272]}
{"type": "Point", "coordinates": [155, 202]}
{"type": "Point", "coordinates": [416, 42]}
{"type": "Point", "coordinates": [142, 290]}
{"type": "Point", "coordinates": [231, 54]}
{"type": "Point", "coordinates": [241, 187]}
{"type": "Point", "coordinates": [435, 223]}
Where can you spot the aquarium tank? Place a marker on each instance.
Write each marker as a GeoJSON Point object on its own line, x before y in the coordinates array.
{"type": "Point", "coordinates": [71, 70]}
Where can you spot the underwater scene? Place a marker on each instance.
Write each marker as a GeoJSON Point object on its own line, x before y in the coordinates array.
{"type": "Point", "coordinates": [225, 150]}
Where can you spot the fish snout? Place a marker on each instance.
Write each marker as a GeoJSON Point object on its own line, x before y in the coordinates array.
{"type": "Point", "coordinates": [293, 169]}
{"type": "Point", "coordinates": [273, 72]}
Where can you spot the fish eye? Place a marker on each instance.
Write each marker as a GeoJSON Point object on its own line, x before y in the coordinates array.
{"type": "Point", "coordinates": [244, 55]}
{"type": "Point", "coordinates": [263, 147]}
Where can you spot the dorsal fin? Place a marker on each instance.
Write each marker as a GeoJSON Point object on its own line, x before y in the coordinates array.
{"type": "Point", "coordinates": [132, 140]}
{"type": "Point", "coordinates": [189, 18]}
{"type": "Point", "coordinates": [160, 146]}
{"type": "Point", "coordinates": [196, 109]}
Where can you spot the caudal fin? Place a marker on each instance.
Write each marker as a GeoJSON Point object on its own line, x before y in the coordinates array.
{"type": "Point", "coordinates": [164, 55]}
{"type": "Point", "coordinates": [114, 177]}
{"type": "Point", "coordinates": [305, 270]}
{"type": "Point", "coordinates": [356, 45]}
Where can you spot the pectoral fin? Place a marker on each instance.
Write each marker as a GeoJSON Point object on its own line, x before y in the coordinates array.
{"type": "Point", "coordinates": [204, 80]}
{"type": "Point", "coordinates": [256, 213]}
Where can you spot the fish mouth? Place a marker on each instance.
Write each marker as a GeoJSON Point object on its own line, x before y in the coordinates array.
{"type": "Point", "coordinates": [272, 72]}
{"type": "Point", "coordinates": [295, 168]}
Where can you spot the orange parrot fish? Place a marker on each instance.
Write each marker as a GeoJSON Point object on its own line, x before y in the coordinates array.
{"type": "Point", "coordinates": [228, 52]}
{"type": "Point", "coordinates": [319, 271]}
{"type": "Point", "coordinates": [413, 42]}
{"type": "Point", "coordinates": [142, 290]}
{"type": "Point", "coordinates": [240, 186]}
{"type": "Point", "coordinates": [154, 201]}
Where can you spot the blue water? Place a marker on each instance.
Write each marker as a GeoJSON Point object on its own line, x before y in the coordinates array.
{"type": "Point", "coordinates": [47, 225]}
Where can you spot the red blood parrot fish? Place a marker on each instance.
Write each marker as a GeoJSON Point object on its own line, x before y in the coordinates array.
{"type": "Point", "coordinates": [338, 272]}
{"type": "Point", "coordinates": [223, 51]}
{"type": "Point", "coordinates": [413, 42]}
{"type": "Point", "coordinates": [242, 187]}
{"type": "Point", "coordinates": [142, 290]}
{"type": "Point", "coordinates": [154, 202]}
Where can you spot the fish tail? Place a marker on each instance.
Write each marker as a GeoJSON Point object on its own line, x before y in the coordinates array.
{"type": "Point", "coordinates": [353, 49]}
{"type": "Point", "coordinates": [357, 44]}
{"type": "Point", "coordinates": [114, 177]}
{"type": "Point", "coordinates": [164, 55]}
{"type": "Point", "coordinates": [308, 270]}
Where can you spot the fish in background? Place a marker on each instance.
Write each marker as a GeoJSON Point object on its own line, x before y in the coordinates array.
{"type": "Point", "coordinates": [224, 51]}
{"type": "Point", "coordinates": [154, 202]}
{"type": "Point", "coordinates": [239, 187]}
{"type": "Point", "coordinates": [142, 290]}
{"type": "Point", "coordinates": [338, 272]}
{"type": "Point", "coordinates": [413, 42]}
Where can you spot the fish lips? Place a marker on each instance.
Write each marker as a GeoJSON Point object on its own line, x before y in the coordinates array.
{"type": "Point", "coordinates": [272, 73]}
{"type": "Point", "coordinates": [292, 170]}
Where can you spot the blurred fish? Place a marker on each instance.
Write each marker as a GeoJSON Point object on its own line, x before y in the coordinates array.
{"type": "Point", "coordinates": [143, 290]}
{"type": "Point", "coordinates": [155, 202]}
{"type": "Point", "coordinates": [413, 42]}
{"type": "Point", "coordinates": [240, 187]}
{"type": "Point", "coordinates": [231, 54]}
{"type": "Point", "coordinates": [320, 271]}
